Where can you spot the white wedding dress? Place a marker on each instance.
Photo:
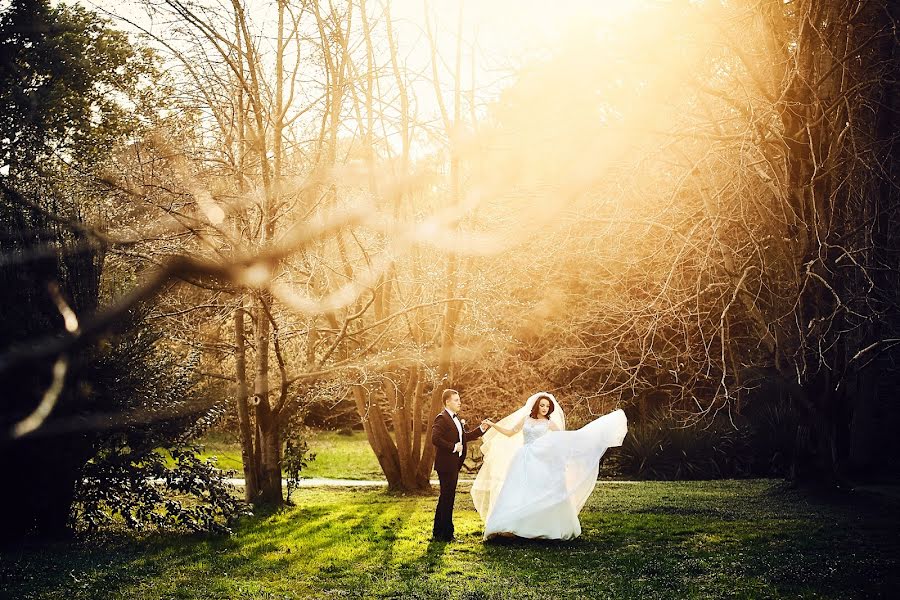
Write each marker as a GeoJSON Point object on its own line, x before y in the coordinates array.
{"type": "Point", "coordinates": [533, 484]}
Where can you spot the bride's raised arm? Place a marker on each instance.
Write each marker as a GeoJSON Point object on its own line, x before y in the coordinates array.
{"type": "Point", "coordinates": [510, 432]}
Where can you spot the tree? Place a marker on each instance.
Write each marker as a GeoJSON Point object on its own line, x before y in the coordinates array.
{"type": "Point", "coordinates": [61, 70]}
{"type": "Point", "coordinates": [823, 122]}
{"type": "Point", "coordinates": [66, 75]}
{"type": "Point", "coordinates": [336, 308]}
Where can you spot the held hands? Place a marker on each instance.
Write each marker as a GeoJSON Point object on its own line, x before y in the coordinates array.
{"type": "Point", "coordinates": [485, 424]}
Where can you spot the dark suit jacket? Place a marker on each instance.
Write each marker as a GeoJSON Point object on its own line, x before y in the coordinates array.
{"type": "Point", "coordinates": [444, 436]}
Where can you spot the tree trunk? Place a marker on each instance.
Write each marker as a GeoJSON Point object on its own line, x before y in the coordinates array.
{"type": "Point", "coordinates": [418, 420]}
{"type": "Point", "coordinates": [55, 503]}
{"type": "Point", "coordinates": [248, 456]}
{"type": "Point", "coordinates": [379, 437]}
{"type": "Point", "coordinates": [268, 442]}
{"type": "Point", "coordinates": [427, 463]}
{"type": "Point", "coordinates": [402, 430]}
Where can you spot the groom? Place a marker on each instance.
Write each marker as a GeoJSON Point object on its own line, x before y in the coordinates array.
{"type": "Point", "coordinates": [449, 439]}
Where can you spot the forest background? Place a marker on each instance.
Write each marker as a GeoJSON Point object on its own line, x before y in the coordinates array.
{"type": "Point", "coordinates": [270, 217]}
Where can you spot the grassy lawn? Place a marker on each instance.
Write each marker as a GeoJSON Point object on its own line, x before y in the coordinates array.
{"type": "Point", "coordinates": [728, 539]}
{"type": "Point", "coordinates": [337, 456]}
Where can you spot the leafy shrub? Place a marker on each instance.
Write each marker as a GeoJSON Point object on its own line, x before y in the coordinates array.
{"type": "Point", "coordinates": [142, 492]}
{"type": "Point", "coordinates": [773, 428]}
{"type": "Point", "coordinates": [660, 448]}
{"type": "Point", "coordinates": [128, 478]}
{"type": "Point", "coordinates": [296, 457]}
{"type": "Point", "coordinates": [757, 443]}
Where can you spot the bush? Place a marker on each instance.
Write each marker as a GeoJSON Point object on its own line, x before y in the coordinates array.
{"type": "Point", "coordinates": [755, 444]}
{"type": "Point", "coordinates": [773, 428]}
{"type": "Point", "coordinates": [127, 478]}
{"type": "Point", "coordinates": [296, 457]}
{"type": "Point", "coordinates": [662, 449]}
{"type": "Point", "coordinates": [142, 492]}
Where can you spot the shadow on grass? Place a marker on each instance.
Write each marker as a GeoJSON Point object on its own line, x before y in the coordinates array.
{"type": "Point", "coordinates": [714, 541]}
{"type": "Point", "coordinates": [699, 540]}
{"type": "Point", "coordinates": [292, 550]}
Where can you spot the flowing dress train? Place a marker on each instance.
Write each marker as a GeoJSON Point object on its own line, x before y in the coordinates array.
{"type": "Point", "coordinates": [541, 489]}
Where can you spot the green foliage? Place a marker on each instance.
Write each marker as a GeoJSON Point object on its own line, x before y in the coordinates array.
{"type": "Point", "coordinates": [773, 428]}
{"type": "Point", "coordinates": [72, 89]}
{"type": "Point", "coordinates": [660, 448]}
{"type": "Point", "coordinates": [40, 252]}
{"type": "Point", "coordinates": [153, 392]}
{"type": "Point", "coordinates": [757, 443]}
{"type": "Point", "coordinates": [141, 491]}
{"type": "Point", "coordinates": [124, 396]}
{"type": "Point", "coordinates": [295, 458]}
{"type": "Point", "coordinates": [69, 87]}
{"type": "Point", "coordinates": [724, 539]}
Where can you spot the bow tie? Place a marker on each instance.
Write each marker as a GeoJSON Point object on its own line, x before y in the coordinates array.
{"type": "Point", "coordinates": [455, 417]}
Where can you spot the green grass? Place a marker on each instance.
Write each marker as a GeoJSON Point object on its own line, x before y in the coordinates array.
{"type": "Point", "coordinates": [726, 539]}
{"type": "Point", "coordinates": [342, 457]}
{"type": "Point", "coordinates": [337, 456]}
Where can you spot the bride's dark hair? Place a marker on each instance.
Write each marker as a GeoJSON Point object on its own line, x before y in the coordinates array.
{"type": "Point", "coordinates": [537, 406]}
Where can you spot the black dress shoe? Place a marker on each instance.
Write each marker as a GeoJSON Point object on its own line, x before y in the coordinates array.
{"type": "Point", "coordinates": [442, 538]}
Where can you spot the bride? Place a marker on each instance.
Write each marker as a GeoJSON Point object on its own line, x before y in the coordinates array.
{"type": "Point", "coordinates": [536, 476]}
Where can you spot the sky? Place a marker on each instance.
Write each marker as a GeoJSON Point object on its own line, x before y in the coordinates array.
{"type": "Point", "coordinates": [507, 32]}
{"type": "Point", "coordinates": [503, 34]}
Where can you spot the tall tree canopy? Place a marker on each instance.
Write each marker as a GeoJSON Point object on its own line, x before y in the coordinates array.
{"type": "Point", "coordinates": [69, 87]}
{"type": "Point", "coordinates": [72, 94]}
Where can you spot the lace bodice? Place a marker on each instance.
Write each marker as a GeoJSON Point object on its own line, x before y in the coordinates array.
{"type": "Point", "coordinates": [534, 428]}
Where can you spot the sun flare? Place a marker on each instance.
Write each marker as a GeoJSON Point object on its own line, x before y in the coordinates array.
{"type": "Point", "coordinates": [670, 225]}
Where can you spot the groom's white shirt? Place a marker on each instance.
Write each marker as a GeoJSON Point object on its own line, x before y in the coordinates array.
{"type": "Point", "coordinates": [458, 427]}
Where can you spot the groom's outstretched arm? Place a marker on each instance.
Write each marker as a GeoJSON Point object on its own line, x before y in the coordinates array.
{"type": "Point", "coordinates": [440, 435]}
{"type": "Point", "coordinates": [476, 433]}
